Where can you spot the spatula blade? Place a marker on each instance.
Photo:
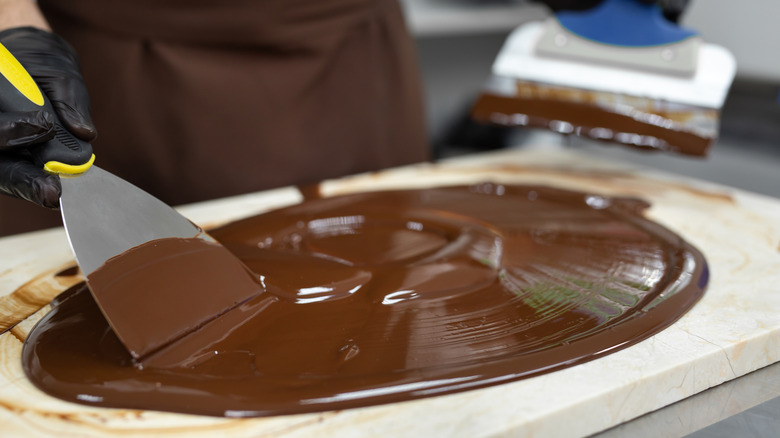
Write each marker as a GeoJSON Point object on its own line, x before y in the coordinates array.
{"type": "Point", "coordinates": [172, 277]}
{"type": "Point", "coordinates": [105, 216]}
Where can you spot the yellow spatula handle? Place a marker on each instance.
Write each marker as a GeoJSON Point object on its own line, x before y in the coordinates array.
{"type": "Point", "coordinates": [64, 154]}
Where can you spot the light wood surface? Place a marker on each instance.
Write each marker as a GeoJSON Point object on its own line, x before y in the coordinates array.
{"type": "Point", "coordinates": [735, 329]}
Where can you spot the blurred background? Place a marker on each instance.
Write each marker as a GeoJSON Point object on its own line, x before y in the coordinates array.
{"type": "Point", "coordinates": [458, 40]}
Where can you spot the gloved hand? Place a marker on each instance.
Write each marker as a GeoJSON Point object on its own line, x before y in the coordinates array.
{"type": "Point", "coordinates": [54, 66]}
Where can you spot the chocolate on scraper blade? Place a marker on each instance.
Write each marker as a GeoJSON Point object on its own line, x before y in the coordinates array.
{"type": "Point", "coordinates": [641, 123]}
{"type": "Point", "coordinates": [161, 291]}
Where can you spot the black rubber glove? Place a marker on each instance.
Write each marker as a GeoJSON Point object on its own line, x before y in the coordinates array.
{"type": "Point", "coordinates": [54, 66]}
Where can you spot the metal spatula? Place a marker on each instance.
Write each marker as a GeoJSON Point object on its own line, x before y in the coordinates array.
{"type": "Point", "coordinates": [105, 216]}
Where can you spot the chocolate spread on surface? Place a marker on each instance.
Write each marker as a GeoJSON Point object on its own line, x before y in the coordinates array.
{"type": "Point", "coordinates": [388, 296]}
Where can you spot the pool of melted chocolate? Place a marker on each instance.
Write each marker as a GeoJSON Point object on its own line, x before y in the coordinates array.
{"type": "Point", "coordinates": [389, 296]}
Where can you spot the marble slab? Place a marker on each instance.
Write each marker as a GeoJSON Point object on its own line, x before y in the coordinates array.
{"type": "Point", "coordinates": [733, 330]}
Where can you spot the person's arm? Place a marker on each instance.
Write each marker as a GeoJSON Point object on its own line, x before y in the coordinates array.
{"type": "Point", "coordinates": [18, 13]}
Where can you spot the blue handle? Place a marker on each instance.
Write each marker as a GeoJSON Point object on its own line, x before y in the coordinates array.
{"type": "Point", "coordinates": [627, 23]}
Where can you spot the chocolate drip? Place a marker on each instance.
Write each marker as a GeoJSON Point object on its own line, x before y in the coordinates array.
{"type": "Point", "coordinates": [592, 121]}
{"type": "Point", "coordinates": [389, 296]}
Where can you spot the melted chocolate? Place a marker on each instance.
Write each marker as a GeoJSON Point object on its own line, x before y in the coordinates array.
{"type": "Point", "coordinates": [389, 296]}
{"type": "Point", "coordinates": [68, 272]}
{"type": "Point", "coordinates": [189, 271]}
{"type": "Point", "coordinates": [593, 121]}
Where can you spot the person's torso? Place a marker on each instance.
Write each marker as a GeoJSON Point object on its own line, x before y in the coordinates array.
{"type": "Point", "coordinates": [281, 24]}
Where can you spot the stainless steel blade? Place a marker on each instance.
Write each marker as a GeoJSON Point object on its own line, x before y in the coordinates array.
{"type": "Point", "coordinates": [105, 216]}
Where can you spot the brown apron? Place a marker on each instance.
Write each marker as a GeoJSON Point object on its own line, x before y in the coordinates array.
{"type": "Point", "coordinates": [200, 99]}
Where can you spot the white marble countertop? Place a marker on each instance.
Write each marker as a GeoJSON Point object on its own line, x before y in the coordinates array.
{"type": "Point", "coordinates": [459, 17]}
{"type": "Point", "coordinates": [733, 330]}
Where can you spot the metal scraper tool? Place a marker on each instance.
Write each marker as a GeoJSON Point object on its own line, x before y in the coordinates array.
{"type": "Point", "coordinates": [105, 216]}
{"type": "Point", "coordinates": [618, 72]}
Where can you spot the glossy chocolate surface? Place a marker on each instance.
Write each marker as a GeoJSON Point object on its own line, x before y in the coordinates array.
{"type": "Point", "coordinates": [187, 270]}
{"type": "Point", "coordinates": [655, 132]}
{"type": "Point", "coordinates": [389, 296]}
